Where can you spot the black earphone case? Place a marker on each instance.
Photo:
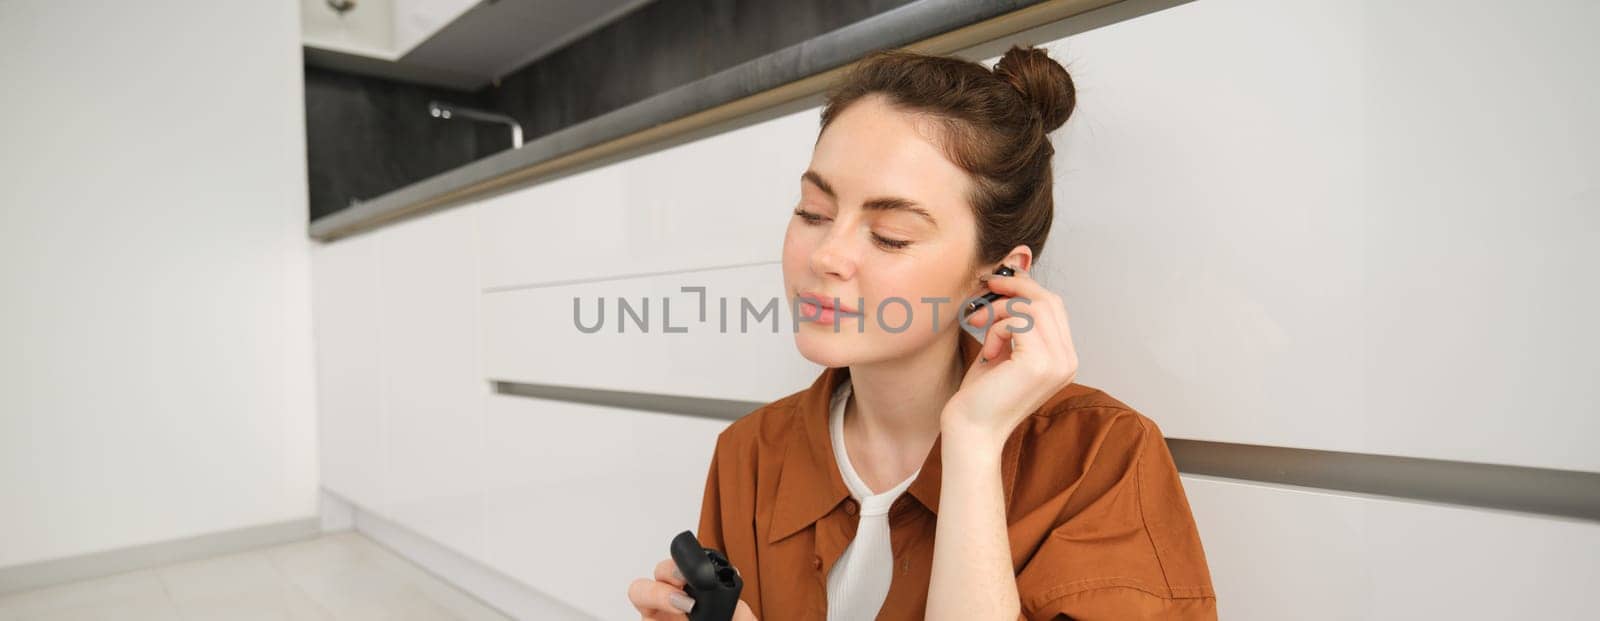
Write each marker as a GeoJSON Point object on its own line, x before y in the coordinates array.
{"type": "Point", "coordinates": [709, 578]}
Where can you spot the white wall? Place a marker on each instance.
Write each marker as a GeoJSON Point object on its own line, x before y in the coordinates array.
{"type": "Point", "coordinates": [1352, 226]}
{"type": "Point", "coordinates": [155, 337]}
{"type": "Point", "coordinates": [1364, 227]}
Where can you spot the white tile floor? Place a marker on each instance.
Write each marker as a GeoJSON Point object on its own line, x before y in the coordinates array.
{"type": "Point", "coordinates": [337, 576]}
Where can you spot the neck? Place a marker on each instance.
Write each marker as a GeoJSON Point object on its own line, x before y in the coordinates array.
{"type": "Point", "coordinates": [898, 401]}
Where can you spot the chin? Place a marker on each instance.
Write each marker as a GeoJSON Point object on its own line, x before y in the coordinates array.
{"type": "Point", "coordinates": [819, 344]}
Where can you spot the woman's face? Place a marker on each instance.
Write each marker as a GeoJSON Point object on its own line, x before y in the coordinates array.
{"type": "Point", "coordinates": [882, 216]}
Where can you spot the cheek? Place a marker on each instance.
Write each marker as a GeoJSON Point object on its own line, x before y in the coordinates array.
{"type": "Point", "coordinates": [797, 247]}
{"type": "Point", "coordinates": [904, 290]}
{"type": "Point", "coordinates": [899, 309]}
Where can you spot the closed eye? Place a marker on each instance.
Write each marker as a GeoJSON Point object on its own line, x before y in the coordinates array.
{"type": "Point", "coordinates": [812, 219]}
{"type": "Point", "coordinates": [890, 243]}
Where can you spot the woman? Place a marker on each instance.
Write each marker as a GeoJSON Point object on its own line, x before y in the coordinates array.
{"type": "Point", "coordinates": [926, 474]}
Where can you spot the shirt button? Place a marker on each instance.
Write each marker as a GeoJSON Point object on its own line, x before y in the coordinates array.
{"type": "Point", "coordinates": [816, 562]}
{"type": "Point", "coordinates": [850, 507]}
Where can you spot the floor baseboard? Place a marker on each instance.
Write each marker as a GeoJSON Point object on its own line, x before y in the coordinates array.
{"type": "Point", "coordinates": [511, 597]}
{"type": "Point", "coordinates": [97, 564]}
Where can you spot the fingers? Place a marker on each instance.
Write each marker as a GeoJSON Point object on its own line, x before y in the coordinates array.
{"type": "Point", "coordinates": [667, 571]}
{"type": "Point", "coordinates": [998, 337]}
{"type": "Point", "coordinates": [1030, 292]}
{"type": "Point", "coordinates": [743, 612]}
{"type": "Point", "coordinates": [989, 313]}
{"type": "Point", "coordinates": [1045, 306]}
{"type": "Point", "coordinates": [1020, 285]}
{"type": "Point", "coordinates": [654, 600]}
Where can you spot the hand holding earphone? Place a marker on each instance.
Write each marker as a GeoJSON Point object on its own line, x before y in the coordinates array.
{"type": "Point", "coordinates": [1027, 357]}
{"type": "Point", "coordinates": [694, 583]}
{"type": "Point", "coordinates": [709, 579]}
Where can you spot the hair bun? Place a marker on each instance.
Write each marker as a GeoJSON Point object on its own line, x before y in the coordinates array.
{"type": "Point", "coordinates": [1043, 82]}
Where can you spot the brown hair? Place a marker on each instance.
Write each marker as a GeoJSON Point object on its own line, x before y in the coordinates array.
{"type": "Point", "coordinates": [995, 126]}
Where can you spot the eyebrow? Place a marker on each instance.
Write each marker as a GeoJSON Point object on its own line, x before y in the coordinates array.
{"type": "Point", "coordinates": [879, 203]}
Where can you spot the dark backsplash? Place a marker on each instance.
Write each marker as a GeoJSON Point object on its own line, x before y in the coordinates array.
{"type": "Point", "coordinates": [367, 136]}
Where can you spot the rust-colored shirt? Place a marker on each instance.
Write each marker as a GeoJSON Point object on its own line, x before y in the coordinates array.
{"type": "Point", "coordinates": [1098, 521]}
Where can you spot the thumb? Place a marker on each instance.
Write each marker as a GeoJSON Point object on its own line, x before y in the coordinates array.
{"type": "Point", "coordinates": [743, 613]}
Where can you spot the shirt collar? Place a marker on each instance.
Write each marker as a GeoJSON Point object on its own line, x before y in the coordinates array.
{"type": "Point", "coordinates": [810, 484]}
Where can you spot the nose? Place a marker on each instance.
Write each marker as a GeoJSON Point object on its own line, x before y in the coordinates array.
{"type": "Point", "coordinates": [834, 257]}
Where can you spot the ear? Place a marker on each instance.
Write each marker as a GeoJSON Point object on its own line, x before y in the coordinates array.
{"type": "Point", "coordinates": [1020, 259]}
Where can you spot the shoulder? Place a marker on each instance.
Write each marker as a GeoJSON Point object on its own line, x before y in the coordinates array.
{"type": "Point", "coordinates": [768, 425]}
{"type": "Point", "coordinates": [1082, 418]}
{"type": "Point", "coordinates": [1082, 401]}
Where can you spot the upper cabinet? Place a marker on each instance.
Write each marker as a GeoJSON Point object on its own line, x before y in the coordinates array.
{"type": "Point", "coordinates": [381, 29]}
{"type": "Point", "coordinates": [458, 44]}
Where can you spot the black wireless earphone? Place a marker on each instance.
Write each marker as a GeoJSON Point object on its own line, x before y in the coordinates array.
{"type": "Point", "coordinates": [708, 577]}
{"type": "Point", "coordinates": [988, 298]}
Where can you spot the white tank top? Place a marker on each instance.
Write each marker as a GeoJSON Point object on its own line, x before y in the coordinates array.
{"type": "Point", "coordinates": [859, 582]}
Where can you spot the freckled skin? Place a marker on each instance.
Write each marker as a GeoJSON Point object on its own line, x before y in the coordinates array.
{"type": "Point", "coordinates": [872, 150]}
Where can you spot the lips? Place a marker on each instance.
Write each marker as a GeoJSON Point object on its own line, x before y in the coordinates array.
{"type": "Point", "coordinates": [825, 302]}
